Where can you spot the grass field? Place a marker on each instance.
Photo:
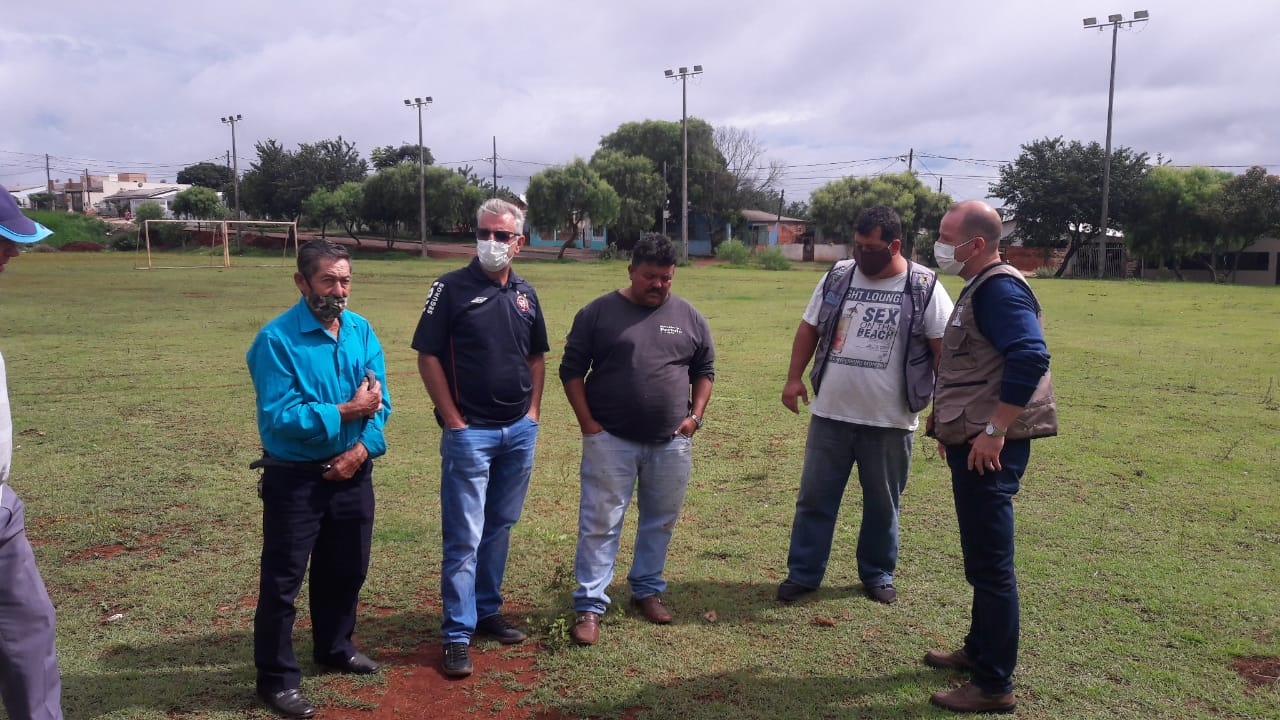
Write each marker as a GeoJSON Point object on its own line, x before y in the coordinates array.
{"type": "Point", "coordinates": [1148, 532]}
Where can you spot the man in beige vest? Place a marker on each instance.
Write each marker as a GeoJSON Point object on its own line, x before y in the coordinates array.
{"type": "Point", "coordinates": [993, 395]}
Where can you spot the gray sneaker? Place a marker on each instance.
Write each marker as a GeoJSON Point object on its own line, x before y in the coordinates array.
{"type": "Point", "coordinates": [457, 659]}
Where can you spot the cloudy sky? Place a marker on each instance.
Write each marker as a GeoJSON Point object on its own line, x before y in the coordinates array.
{"type": "Point", "coordinates": [830, 87]}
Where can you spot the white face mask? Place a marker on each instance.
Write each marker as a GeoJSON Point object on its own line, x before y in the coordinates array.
{"type": "Point", "coordinates": [945, 255]}
{"type": "Point", "coordinates": [494, 255]}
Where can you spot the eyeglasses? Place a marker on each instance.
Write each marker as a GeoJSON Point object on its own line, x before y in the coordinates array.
{"type": "Point", "coordinates": [499, 235]}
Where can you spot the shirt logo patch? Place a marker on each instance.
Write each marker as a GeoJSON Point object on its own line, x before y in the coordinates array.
{"type": "Point", "coordinates": [522, 303]}
{"type": "Point", "coordinates": [478, 299]}
{"type": "Point", "coordinates": [433, 298]}
{"type": "Point", "coordinates": [669, 330]}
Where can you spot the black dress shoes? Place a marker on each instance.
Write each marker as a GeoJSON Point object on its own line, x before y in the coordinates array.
{"type": "Point", "coordinates": [358, 664]}
{"type": "Point", "coordinates": [289, 703]}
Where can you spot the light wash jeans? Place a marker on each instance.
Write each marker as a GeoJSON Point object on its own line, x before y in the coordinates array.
{"type": "Point", "coordinates": [883, 456]}
{"type": "Point", "coordinates": [612, 468]}
{"type": "Point", "coordinates": [484, 476]}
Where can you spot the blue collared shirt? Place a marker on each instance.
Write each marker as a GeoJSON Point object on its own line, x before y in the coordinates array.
{"type": "Point", "coordinates": [302, 373]}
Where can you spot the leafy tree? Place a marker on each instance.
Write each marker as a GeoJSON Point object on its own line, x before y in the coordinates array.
{"type": "Point", "coordinates": [564, 196]}
{"type": "Point", "coordinates": [1250, 207]}
{"type": "Point", "coordinates": [199, 203]}
{"type": "Point", "coordinates": [1054, 186]}
{"type": "Point", "coordinates": [640, 190]}
{"type": "Point", "coordinates": [321, 207]}
{"type": "Point", "coordinates": [161, 234]}
{"type": "Point", "coordinates": [1176, 215]}
{"type": "Point", "coordinates": [206, 174]}
{"type": "Point", "coordinates": [712, 189]}
{"type": "Point", "coordinates": [836, 206]}
{"type": "Point", "coordinates": [280, 180]}
{"type": "Point", "coordinates": [388, 155]}
{"type": "Point", "coordinates": [391, 198]}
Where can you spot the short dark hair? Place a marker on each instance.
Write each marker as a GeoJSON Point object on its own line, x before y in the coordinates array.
{"type": "Point", "coordinates": [654, 248]}
{"type": "Point", "coordinates": [879, 217]}
{"type": "Point", "coordinates": [309, 255]}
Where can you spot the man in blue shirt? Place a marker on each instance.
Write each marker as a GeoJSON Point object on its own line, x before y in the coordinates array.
{"type": "Point", "coordinates": [29, 680]}
{"type": "Point", "coordinates": [322, 404]}
{"type": "Point", "coordinates": [481, 343]}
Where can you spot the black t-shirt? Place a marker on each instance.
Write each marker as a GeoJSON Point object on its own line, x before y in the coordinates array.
{"type": "Point", "coordinates": [639, 363]}
{"type": "Point", "coordinates": [483, 335]}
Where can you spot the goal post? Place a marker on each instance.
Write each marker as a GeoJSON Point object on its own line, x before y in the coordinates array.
{"type": "Point", "coordinates": [219, 250]}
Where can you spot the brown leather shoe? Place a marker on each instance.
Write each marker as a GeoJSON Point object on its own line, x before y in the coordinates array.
{"type": "Point", "coordinates": [969, 698]}
{"type": "Point", "coordinates": [586, 628]}
{"type": "Point", "coordinates": [957, 660]}
{"type": "Point", "coordinates": [652, 609]}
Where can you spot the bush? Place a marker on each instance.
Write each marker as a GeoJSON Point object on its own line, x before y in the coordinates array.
{"type": "Point", "coordinates": [612, 252]}
{"type": "Point", "coordinates": [69, 227]}
{"type": "Point", "coordinates": [734, 252]}
{"type": "Point", "coordinates": [773, 259]}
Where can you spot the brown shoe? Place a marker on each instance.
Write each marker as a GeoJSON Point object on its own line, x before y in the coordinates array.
{"type": "Point", "coordinates": [957, 660]}
{"type": "Point", "coordinates": [969, 698]}
{"type": "Point", "coordinates": [652, 609]}
{"type": "Point", "coordinates": [586, 628]}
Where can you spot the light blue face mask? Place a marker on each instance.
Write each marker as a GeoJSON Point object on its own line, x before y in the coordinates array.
{"type": "Point", "coordinates": [945, 255]}
{"type": "Point", "coordinates": [494, 255]}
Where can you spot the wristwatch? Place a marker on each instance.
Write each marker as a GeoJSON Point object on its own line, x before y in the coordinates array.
{"type": "Point", "coordinates": [993, 431]}
{"type": "Point", "coordinates": [696, 420]}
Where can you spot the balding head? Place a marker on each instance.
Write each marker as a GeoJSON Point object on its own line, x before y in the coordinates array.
{"type": "Point", "coordinates": [977, 223]}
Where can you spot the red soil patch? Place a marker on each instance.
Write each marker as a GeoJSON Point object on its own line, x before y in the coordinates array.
{"type": "Point", "coordinates": [97, 552]}
{"type": "Point", "coordinates": [1258, 670]}
{"type": "Point", "coordinates": [416, 687]}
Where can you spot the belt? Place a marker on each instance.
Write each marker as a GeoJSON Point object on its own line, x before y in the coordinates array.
{"type": "Point", "coordinates": [266, 461]}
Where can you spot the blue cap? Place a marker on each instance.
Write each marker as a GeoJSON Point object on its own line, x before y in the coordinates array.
{"type": "Point", "coordinates": [18, 227]}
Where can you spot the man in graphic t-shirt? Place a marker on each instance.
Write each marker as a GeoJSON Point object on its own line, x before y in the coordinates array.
{"type": "Point", "coordinates": [874, 330]}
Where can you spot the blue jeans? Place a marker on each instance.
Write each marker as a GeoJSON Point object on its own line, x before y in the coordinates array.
{"type": "Point", "coordinates": [29, 679]}
{"type": "Point", "coordinates": [611, 469]}
{"type": "Point", "coordinates": [484, 474]}
{"type": "Point", "coordinates": [984, 508]}
{"type": "Point", "coordinates": [883, 456]}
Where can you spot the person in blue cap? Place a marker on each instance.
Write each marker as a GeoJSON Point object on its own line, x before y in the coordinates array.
{"type": "Point", "coordinates": [29, 679]}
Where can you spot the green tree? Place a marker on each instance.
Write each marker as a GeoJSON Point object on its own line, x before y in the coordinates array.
{"type": "Point", "coordinates": [349, 199]}
{"type": "Point", "coordinates": [640, 190]}
{"type": "Point", "coordinates": [206, 174]}
{"type": "Point", "coordinates": [1054, 187]}
{"type": "Point", "coordinates": [280, 180]}
{"type": "Point", "coordinates": [321, 208]}
{"type": "Point", "coordinates": [835, 206]}
{"type": "Point", "coordinates": [712, 189]}
{"type": "Point", "coordinates": [565, 196]}
{"type": "Point", "coordinates": [1176, 215]}
{"type": "Point", "coordinates": [160, 234]}
{"type": "Point", "coordinates": [388, 155]}
{"type": "Point", "coordinates": [1250, 208]}
{"type": "Point", "coordinates": [391, 198]}
{"type": "Point", "coordinates": [199, 203]}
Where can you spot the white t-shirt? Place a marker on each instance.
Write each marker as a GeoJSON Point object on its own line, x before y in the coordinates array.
{"type": "Point", "coordinates": [863, 381]}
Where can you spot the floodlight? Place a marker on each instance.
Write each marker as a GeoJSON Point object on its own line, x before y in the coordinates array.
{"type": "Point", "coordinates": [427, 98]}
{"type": "Point", "coordinates": [1090, 22]}
{"type": "Point", "coordinates": [417, 100]}
{"type": "Point", "coordinates": [668, 73]}
{"type": "Point", "coordinates": [1115, 18]}
{"type": "Point", "coordinates": [1141, 15]}
{"type": "Point", "coordinates": [406, 102]}
{"type": "Point", "coordinates": [684, 71]}
{"type": "Point", "coordinates": [697, 68]}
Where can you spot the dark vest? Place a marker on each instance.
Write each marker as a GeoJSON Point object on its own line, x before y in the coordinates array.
{"type": "Point", "coordinates": [969, 378]}
{"type": "Point", "coordinates": [917, 368]}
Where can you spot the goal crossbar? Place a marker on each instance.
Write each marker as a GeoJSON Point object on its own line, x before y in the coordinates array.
{"type": "Point", "coordinates": [222, 235]}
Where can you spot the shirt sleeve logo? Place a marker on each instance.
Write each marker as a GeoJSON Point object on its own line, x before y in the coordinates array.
{"type": "Point", "coordinates": [522, 303]}
{"type": "Point", "coordinates": [433, 297]}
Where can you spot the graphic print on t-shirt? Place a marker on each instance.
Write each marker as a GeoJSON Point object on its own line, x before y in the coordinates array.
{"type": "Point", "coordinates": [867, 327]}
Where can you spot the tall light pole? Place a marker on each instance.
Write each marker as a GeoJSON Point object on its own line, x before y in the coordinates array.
{"type": "Point", "coordinates": [684, 73]}
{"type": "Point", "coordinates": [1114, 22]}
{"type": "Point", "coordinates": [235, 172]}
{"type": "Point", "coordinates": [418, 102]}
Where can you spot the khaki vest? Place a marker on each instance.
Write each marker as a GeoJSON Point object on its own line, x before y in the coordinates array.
{"type": "Point", "coordinates": [969, 375]}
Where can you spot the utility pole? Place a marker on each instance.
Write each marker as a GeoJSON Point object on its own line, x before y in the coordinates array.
{"type": "Point", "coordinates": [1114, 22]}
{"type": "Point", "coordinates": [684, 74]}
{"type": "Point", "coordinates": [235, 174]}
{"type": "Point", "coordinates": [911, 158]}
{"type": "Point", "coordinates": [495, 166]}
{"type": "Point", "coordinates": [84, 202]}
{"type": "Point", "coordinates": [48, 181]}
{"type": "Point", "coordinates": [418, 102]}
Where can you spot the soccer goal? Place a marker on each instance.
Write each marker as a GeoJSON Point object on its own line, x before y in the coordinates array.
{"type": "Point", "coordinates": [188, 244]}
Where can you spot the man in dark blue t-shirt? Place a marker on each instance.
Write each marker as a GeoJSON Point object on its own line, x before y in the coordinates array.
{"type": "Point", "coordinates": [638, 368]}
{"type": "Point", "coordinates": [481, 342]}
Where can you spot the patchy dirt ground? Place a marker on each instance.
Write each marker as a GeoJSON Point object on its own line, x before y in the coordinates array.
{"type": "Point", "coordinates": [416, 687]}
{"type": "Point", "coordinates": [1258, 670]}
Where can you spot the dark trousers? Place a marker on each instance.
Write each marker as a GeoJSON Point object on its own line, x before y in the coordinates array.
{"type": "Point", "coordinates": [29, 680]}
{"type": "Point", "coordinates": [984, 508]}
{"type": "Point", "coordinates": [331, 523]}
